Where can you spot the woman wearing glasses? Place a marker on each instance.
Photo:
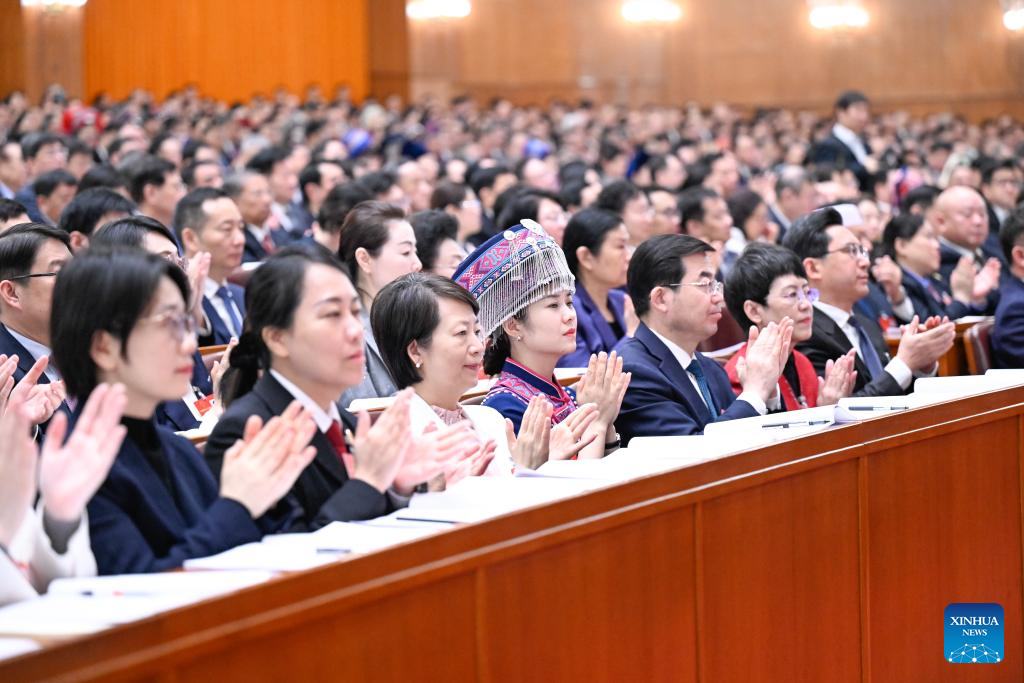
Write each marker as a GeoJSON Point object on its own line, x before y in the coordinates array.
{"type": "Point", "coordinates": [121, 316]}
{"type": "Point", "coordinates": [767, 283]}
{"type": "Point", "coordinates": [524, 288]}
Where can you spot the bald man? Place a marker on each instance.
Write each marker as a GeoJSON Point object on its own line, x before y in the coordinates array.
{"type": "Point", "coordinates": [961, 219]}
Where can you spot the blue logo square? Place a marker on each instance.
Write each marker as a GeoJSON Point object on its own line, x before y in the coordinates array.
{"type": "Point", "coordinates": [974, 633]}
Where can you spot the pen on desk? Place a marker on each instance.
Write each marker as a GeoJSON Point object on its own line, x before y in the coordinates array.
{"type": "Point", "coordinates": [787, 425]}
{"type": "Point", "coordinates": [876, 408]}
{"type": "Point", "coordinates": [115, 594]}
{"type": "Point", "coordinates": [429, 521]}
{"type": "Point", "coordinates": [336, 551]}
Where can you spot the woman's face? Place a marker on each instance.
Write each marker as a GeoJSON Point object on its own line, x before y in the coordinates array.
{"type": "Point", "coordinates": [396, 258]}
{"type": "Point", "coordinates": [611, 262]}
{"type": "Point", "coordinates": [789, 296]}
{"type": "Point", "coordinates": [871, 229]}
{"type": "Point", "coordinates": [451, 361]}
{"type": "Point", "coordinates": [449, 256]}
{"type": "Point", "coordinates": [756, 226]}
{"type": "Point", "coordinates": [324, 346]}
{"type": "Point", "coordinates": [550, 326]}
{"type": "Point", "coordinates": [552, 218]}
{"type": "Point", "coordinates": [921, 253]}
{"type": "Point", "coordinates": [157, 361]}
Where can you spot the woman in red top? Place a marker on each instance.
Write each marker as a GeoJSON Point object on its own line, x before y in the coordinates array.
{"type": "Point", "coordinates": [767, 283]}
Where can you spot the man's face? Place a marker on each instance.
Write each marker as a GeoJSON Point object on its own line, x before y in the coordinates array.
{"type": "Point", "coordinates": [855, 117]}
{"type": "Point", "coordinates": [283, 182]}
{"type": "Point", "coordinates": [693, 312]}
{"type": "Point", "coordinates": [414, 186]}
{"type": "Point", "coordinates": [53, 205]}
{"type": "Point", "coordinates": [50, 157]}
{"type": "Point", "coordinates": [1004, 189]}
{"type": "Point", "coordinates": [223, 235]}
{"type": "Point", "coordinates": [208, 175]}
{"type": "Point", "coordinates": [35, 294]}
{"type": "Point", "coordinates": [254, 200]}
{"type": "Point", "coordinates": [13, 172]}
{"type": "Point", "coordinates": [637, 216]}
{"type": "Point", "coordinates": [165, 198]}
{"type": "Point", "coordinates": [964, 219]}
{"type": "Point", "coordinates": [666, 213]}
{"type": "Point", "coordinates": [672, 176]}
{"type": "Point", "coordinates": [844, 269]}
{"type": "Point", "coordinates": [717, 219]}
{"type": "Point", "coordinates": [724, 176]}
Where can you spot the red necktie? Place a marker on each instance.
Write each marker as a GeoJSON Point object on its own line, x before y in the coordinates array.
{"type": "Point", "coordinates": [337, 440]}
{"type": "Point", "coordinates": [268, 244]}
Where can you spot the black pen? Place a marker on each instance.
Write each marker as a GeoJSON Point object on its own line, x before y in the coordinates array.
{"type": "Point", "coordinates": [877, 408]}
{"type": "Point", "coordinates": [337, 551]}
{"type": "Point", "coordinates": [421, 519]}
{"type": "Point", "coordinates": [787, 425]}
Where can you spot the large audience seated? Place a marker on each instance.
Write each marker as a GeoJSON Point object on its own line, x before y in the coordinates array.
{"type": "Point", "coordinates": [450, 267]}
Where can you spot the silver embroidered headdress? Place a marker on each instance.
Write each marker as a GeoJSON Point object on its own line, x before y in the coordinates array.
{"type": "Point", "coordinates": [512, 270]}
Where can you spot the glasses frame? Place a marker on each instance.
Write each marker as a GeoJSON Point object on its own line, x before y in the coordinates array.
{"type": "Point", "coordinates": [31, 275]}
{"type": "Point", "coordinates": [184, 326]}
{"type": "Point", "coordinates": [710, 287]}
{"type": "Point", "coordinates": [861, 250]}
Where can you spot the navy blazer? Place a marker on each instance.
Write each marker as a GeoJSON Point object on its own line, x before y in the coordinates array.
{"type": "Point", "coordinates": [593, 333]}
{"type": "Point", "coordinates": [10, 346]}
{"type": "Point", "coordinates": [834, 151]}
{"type": "Point", "coordinates": [176, 415]}
{"type": "Point", "coordinates": [1008, 333]}
{"type": "Point", "coordinates": [949, 258]}
{"type": "Point", "coordinates": [221, 333]}
{"type": "Point", "coordinates": [926, 305]}
{"type": "Point", "coordinates": [661, 400]}
{"type": "Point", "coordinates": [137, 525]}
{"type": "Point", "coordinates": [323, 491]}
{"type": "Point", "coordinates": [828, 342]}
{"type": "Point", "coordinates": [254, 250]}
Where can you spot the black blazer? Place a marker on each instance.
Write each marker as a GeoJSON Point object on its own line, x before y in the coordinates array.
{"type": "Point", "coordinates": [834, 151]}
{"type": "Point", "coordinates": [949, 258]}
{"type": "Point", "coordinates": [829, 342]}
{"type": "Point", "coordinates": [10, 346]}
{"type": "Point", "coordinates": [323, 492]}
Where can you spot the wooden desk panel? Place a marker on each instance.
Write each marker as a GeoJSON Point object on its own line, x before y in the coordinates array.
{"type": "Point", "coordinates": [671, 577]}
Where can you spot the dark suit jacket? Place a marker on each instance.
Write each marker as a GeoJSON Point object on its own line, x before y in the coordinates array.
{"type": "Point", "coordinates": [926, 305]}
{"type": "Point", "coordinates": [1008, 333]}
{"type": "Point", "coordinates": [323, 491]}
{"type": "Point", "coordinates": [254, 250]}
{"type": "Point", "coordinates": [175, 415]}
{"type": "Point", "coordinates": [832, 150]}
{"type": "Point", "coordinates": [593, 333]}
{"type": "Point", "coordinates": [221, 333]}
{"type": "Point", "coordinates": [10, 346]}
{"type": "Point", "coordinates": [829, 342]}
{"type": "Point", "coordinates": [661, 400]}
{"type": "Point", "coordinates": [137, 525]}
{"type": "Point", "coordinates": [949, 258]}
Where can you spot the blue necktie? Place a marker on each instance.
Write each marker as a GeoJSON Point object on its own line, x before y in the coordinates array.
{"type": "Point", "coordinates": [702, 383]}
{"type": "Point", "coordinates": [867, 350]}
{"type": "Point", "coordinates": [224, 294]}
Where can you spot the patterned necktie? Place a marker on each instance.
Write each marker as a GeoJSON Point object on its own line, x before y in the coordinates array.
{"type": "Point", "coordinates": [224, 294]}
{"type": "Point", "coordinates": [702, 383]}
{"type": "Point", "coordinates": [867, 349]}
{"type": "Point", "coordinates": [337, 439]}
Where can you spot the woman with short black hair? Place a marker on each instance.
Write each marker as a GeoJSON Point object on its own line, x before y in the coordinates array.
{"type": "Point", "coordinates": [120, 316]}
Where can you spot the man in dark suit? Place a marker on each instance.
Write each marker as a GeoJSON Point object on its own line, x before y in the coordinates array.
{"type": "Point", "coordinates": [1008, 333]}
{"type": "Point", "coordinates": [674, 389]}
{"type": "Point", "coordinates": [845, 146]}
{"type": "Point", "coordinates": [961, 220]}
{"type": "Point", "coordinates": [837, 266]}
{"type": "Point", "coordinates": [251, 193]}
{"type": "Point", "coordinates": [1001, 183]}
{"type": "Point", "coordinates": [207, 220]}
{"type": "Point", "coordinates": [31, 255]}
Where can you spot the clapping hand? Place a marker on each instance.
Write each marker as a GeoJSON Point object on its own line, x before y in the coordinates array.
{"type": "Point", "coordinates": [767, 353]}
{"type": "Point", "coordinates": [839, 379]}
{"type": "Point", "coordinates": [604, 384]}
{"type": "Point", "coordinates": [382, 447]}
{"type": "Point", "coordinates": [447, 452]}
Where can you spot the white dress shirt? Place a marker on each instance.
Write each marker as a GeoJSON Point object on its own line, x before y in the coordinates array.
{"type": "Point", "coordinates": [853, 141]}
{"type": "Point", "coordinates": [38, 351]}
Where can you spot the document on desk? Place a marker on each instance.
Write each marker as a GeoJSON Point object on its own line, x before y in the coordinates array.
{"type": "Point", "coordinates": [967, 385]}
{"type": "Point", "coordinates": [12, 647]}
{"type": "Point", "coordinates": [195, 585]}
{"type": "Point", "coordinates": [64, 615]}
{"type": "Point", "coordinates": [617, 467]}
{"type": "Point", "coordinates": [477, 498]}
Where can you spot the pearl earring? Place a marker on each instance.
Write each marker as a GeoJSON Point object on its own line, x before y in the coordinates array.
{"type": "Point", "coordinates": [519, 339]}
{"type": "Point", "coordinates": [418, 364]}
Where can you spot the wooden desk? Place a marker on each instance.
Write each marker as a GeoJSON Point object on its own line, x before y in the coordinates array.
{"type": "Point", "coordinates": [829, 558]}
{"type": "Point", "coordinates": [954, 362]}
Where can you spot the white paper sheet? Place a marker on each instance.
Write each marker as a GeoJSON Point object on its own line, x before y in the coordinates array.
{"type": "Point", "coordinates": [12, 647]}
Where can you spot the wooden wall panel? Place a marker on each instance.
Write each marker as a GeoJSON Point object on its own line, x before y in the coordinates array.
{"type": "Point", "coordinates": [634, 619]}
{"type": "Point", "coordinates": [230, 49]}
{"type": "Point", "coordinates": [923, 55]}
{"type": "Point", "coordinates": [12, 48]}
{"type": "Point", "coordinates": [944, 529]}
{"type": "Point", "coordinates": [772, 592]}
